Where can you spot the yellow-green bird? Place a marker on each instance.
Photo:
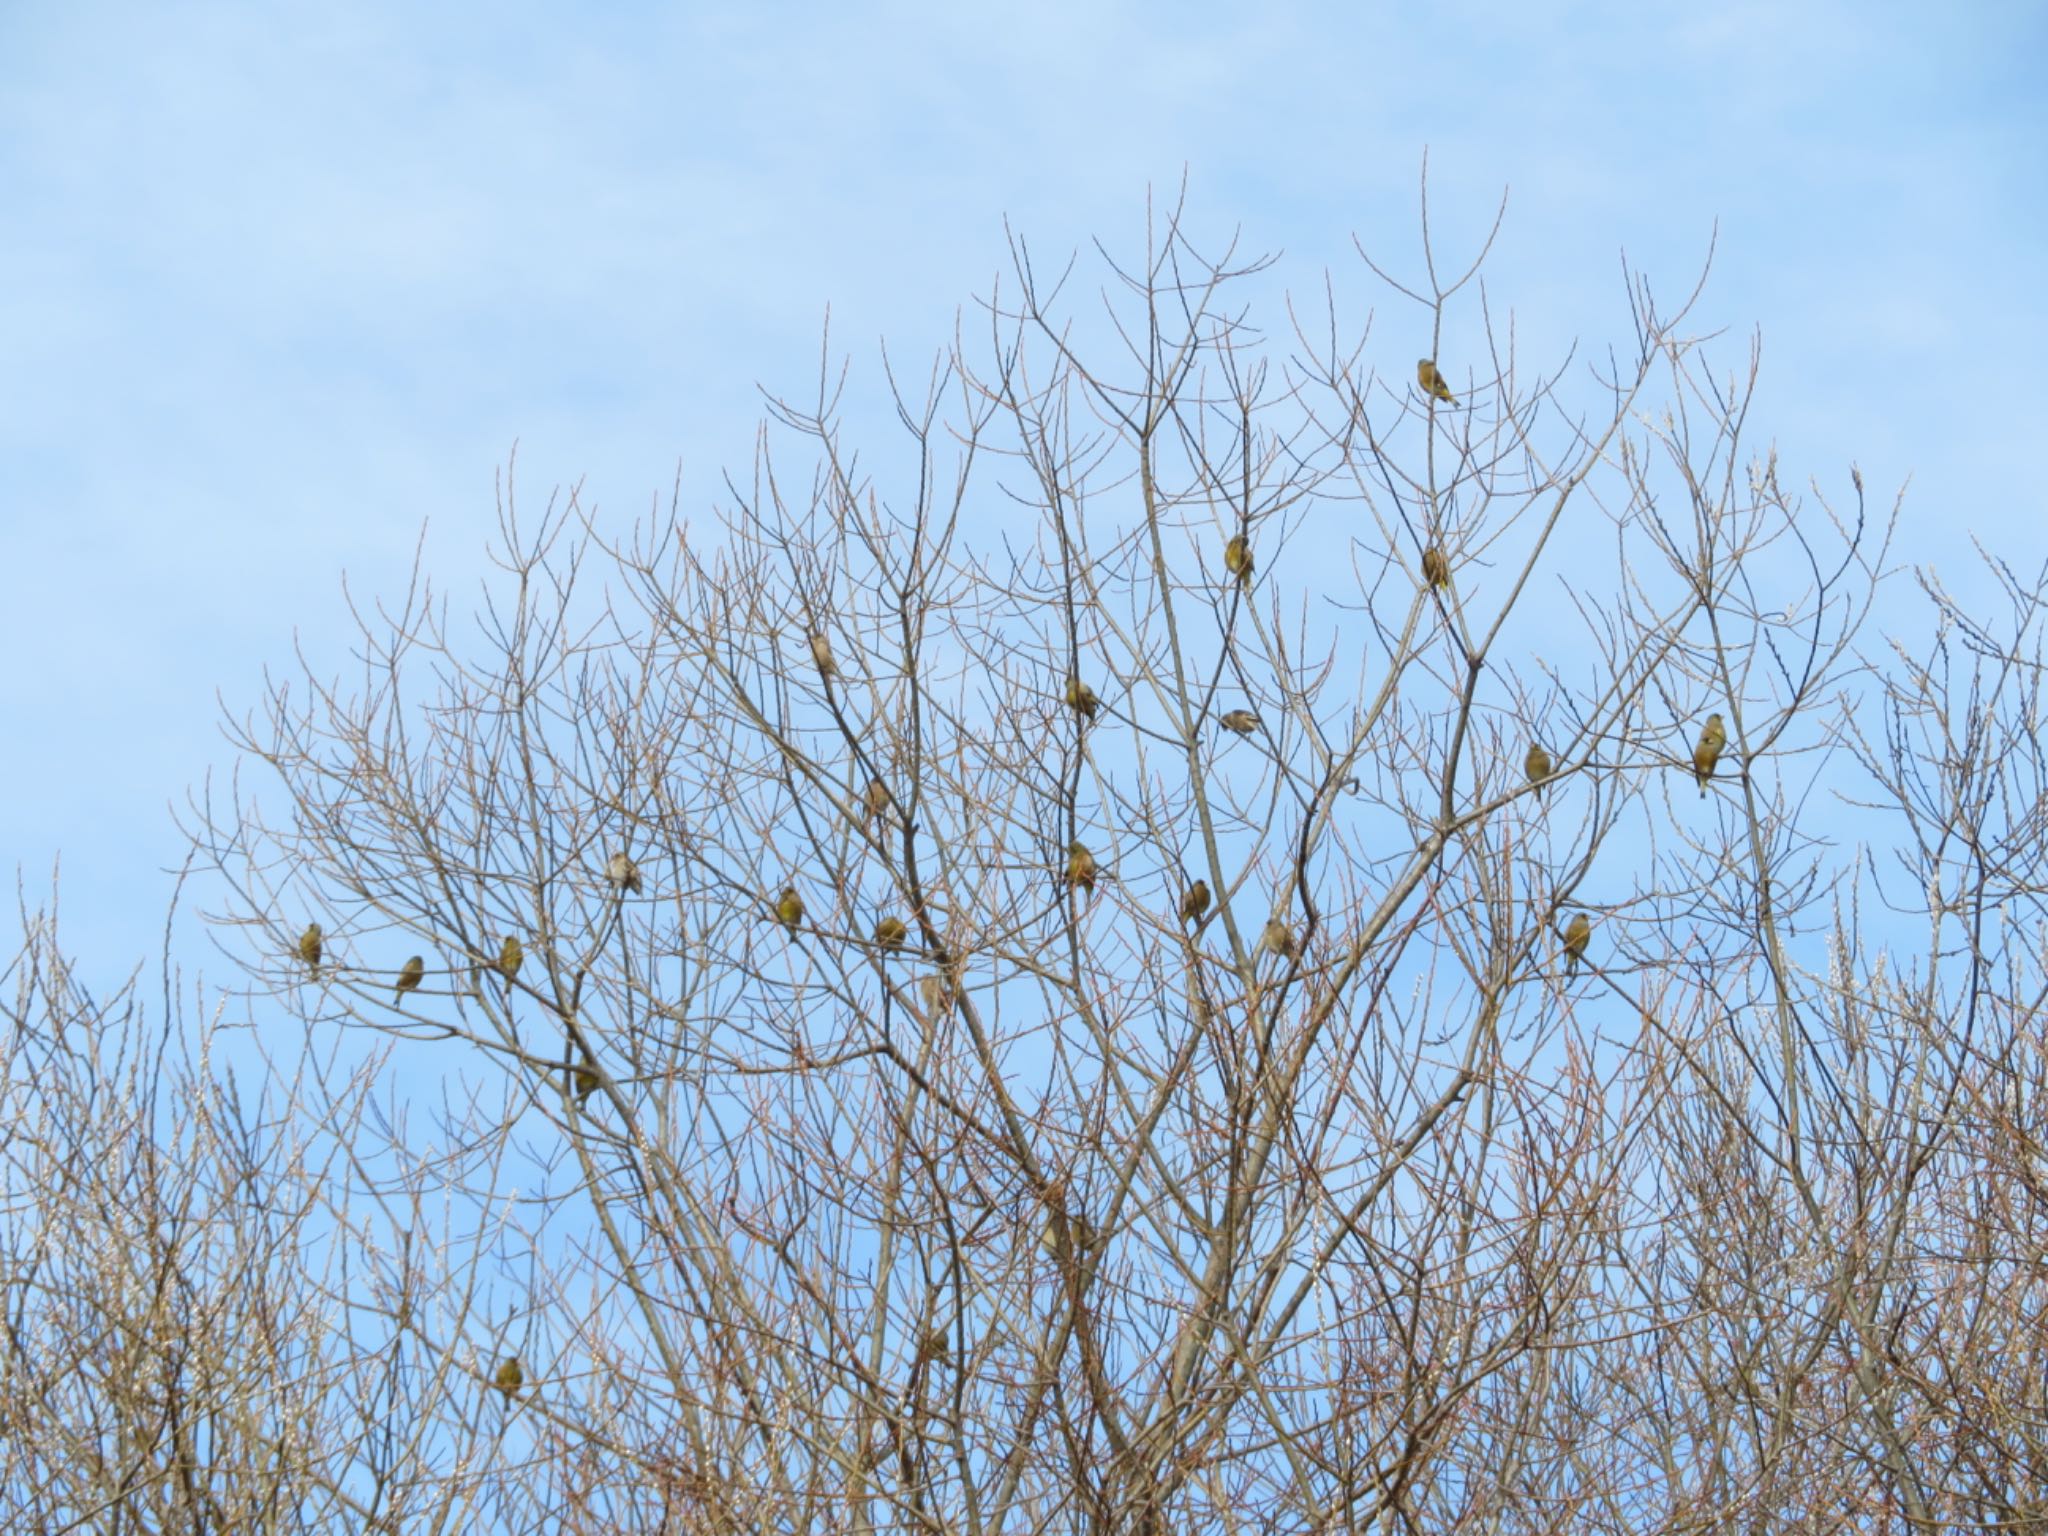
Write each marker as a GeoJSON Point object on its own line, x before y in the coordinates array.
{"type": "Point", "coordinates": [877, 800]}
{"type": "Point", "coordinates": [890, 933]}
{"type": "Point", "coordinates": [1537, 766]}
{"type": "Point", "coordinates": [1081, 866]}
{"type": "Point", "coordinates": [789, 908]}
{"type": "Point", "coordinates": [586, 1080]}
{"type": "Point", "coordinates": [1277, 938]}
{"type": "Point", "coordinates": [311, 948]}
{"type": "Point", "coordinates": [821, 653]}
{"type": "Point", "coordinates": [1713, 737]}
{"type": "Point", "coordinates": [1195, 902]}
{"type": "Point", "coordinates": [511, 955]}
{"type": "Point", "coordinates": [1436, 567]}
{"type": "Point", "coordinates": [1239, 722]}
{"type": "Point", "coordinates": [622, 873]}
{"type": "Point", "coordinates": [410, 975]}
{"type": "Point", "coordinates": [1237, 559]}
{"type": "Point", "coordinates": [1080, 696]}
{"type": "Point", "coordinates": [509, 1378]}
{"type": "Point", "coordinates": [1432, 382]}
{"type": "Point", "coordinates": [1577, 934]}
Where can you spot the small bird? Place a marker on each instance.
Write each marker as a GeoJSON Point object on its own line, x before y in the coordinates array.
{"type": "Point", "coordinates": [410, 976]}
{"type": "Point", "coordinates": [1278, 939]}
{"type": "Point", "coordinates": [509, 1378]}
{"type": "Point", "coordinates": [310, 948]}
{"type": "Point", "coordinates": [1078, 1229]}
{"type": "Point", "coordinates": [1432, 382]}
{"type": "Point", "coordinates": [623, 873]}
{"type": "Point", "coordinates": [1436, 567]}
{"type": "Point", "coordinates": [1239, 722]}
{"type": "Point", "coordinates": [511, 955]}
{"type": "Point", "coordinates": [933, 1345]}
{"type": "Point", "coordinates": [1577, 933]}
{"type": "Point", "coordinates": [586, 1080]}
{"type": "Point", "coordinates": [821, 653]}
{"type": "Point", "coordinates": [1237, 559]}
{"type": "Point", "coordinates": [1080, 696]}
{"type": "Point", "coordinates": [1537, 765]}
{"type": "Point", "coordinates": [789, 908]}
{"type": "Point", "coordinates": [890, 933]}
{"type": "Point", "coordinates": [1704, 756]}
{"type": "Point", "coordinates": [1195, 902]}
{"type": "Point", "coordinates": [1080, 865]}
{"type": "Point", "coordinates": [938, 997]}
{"type": "Point", "coordinates": [877, 800]}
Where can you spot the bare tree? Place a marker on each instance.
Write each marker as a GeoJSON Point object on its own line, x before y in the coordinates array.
{"type": "Point", "coordinates": [1181, 954]}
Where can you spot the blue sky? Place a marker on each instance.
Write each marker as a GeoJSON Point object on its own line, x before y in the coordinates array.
{"type": "Point", "coordinates": [279, 284]}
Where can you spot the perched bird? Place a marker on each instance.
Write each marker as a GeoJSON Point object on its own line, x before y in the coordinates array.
{"type": "Point", "coordinates": [586, 1080]}
{"type": "Point", "coordinates": [1277, 938]}
{"type": "Point", "coordinates": [1078, 1229]}
{"type": "Point", "coordinates": [821, 653]}
{"type": "Point", "coordinates": [511, 955]}
{"type": "Point", "coordinates": [933, 1345]}
{"type": "Point", "coordinates": [877, 800]}
{"type": "Point", "coordinates": [1432, 382]}
{"type": "Point", "coordinates": [1704, 756]}
{"type": "Point", "coordinates": [938, 997]}
{"type": "Point", "coordinates": [1080, 696]}
{"type": "Point", "coordinates": [623, 873]}
{"type": "Point", "coordinates": [1080, 865]}
{"type": "Point", "coordinates": [890, 933]}
{"type": "Point", "coordinates": [1537, 765]}
{"type": "Point", "coordinates": [1195, 902]}
{"type": "Point", "coordinates": [1239, 722]}
{"type": "Point", "coordinates": [1436, 567]}
{"type": "Point", "coordinates": [509, 1378]}
{"type": "Point", "coordinates": [310, 948]}
{"type": "Point", "coordinates": [1237, 559]}
{"type": "Point", "coordinates": [410, 976]}
{"type": "Point", "coordinates": [789, 908]}
{"type": "Point", "coordinates": [1577, 933]}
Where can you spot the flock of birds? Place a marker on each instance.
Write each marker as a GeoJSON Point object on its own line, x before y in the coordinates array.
{"type": "Point", "coordinates": [1081, 869]}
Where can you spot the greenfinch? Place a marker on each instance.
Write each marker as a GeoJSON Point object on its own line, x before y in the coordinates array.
{"type": "Point", "coordinates": [1239, 722]}
{"type": "Point", "coordinates": [1080, 696]}
{"type": "Point", "coordinates": [1704, 756]}
{"type": "Point", "coordinates": [821, 653]}
{"type": "Point", "coordinates": [1078, 1229]}
{"type": "Point", "coordinates": [410, 975]}
{"type": "Point", "coordinates": [789, 908]}
{"type": "Point", "coordinates": [623, 873]}
{"type": "Point", "coordinates": [1237, 559]}
{"type": "Point", "coordinates": [1577, 934]}
{"type": "Point", "coordinates": [1537, 766]}
{"type": "Point", "coordinates": [511, 955]}
{"type": "Point", "coordinates": [1436, 567]}
{"type": "Point", "coordinates": [509, 1378]}
{"type": "Point", "coordinates": [1195, 902]}
{"type": "Point", "coordinates": [311, 948]}
{"type": "Point", "coordinates": [1277, 938]}
{"type": "Point", "coordinates": [586, 1080]}
{"type": "Point", "coordinates": [890, 933]}
{"type": "Point", "coordinates": [877, 800]}
{"type": "Point", "coordinates": [1081, 866]}
{"type": "Point", "coordinates": [1432, 382]}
